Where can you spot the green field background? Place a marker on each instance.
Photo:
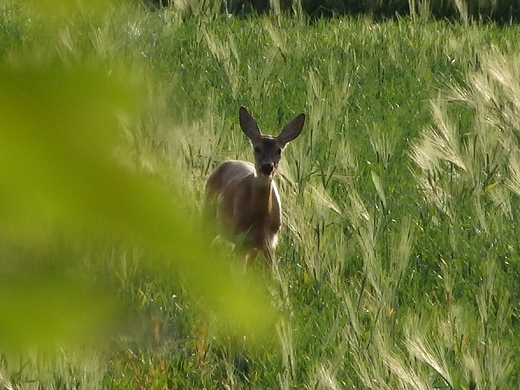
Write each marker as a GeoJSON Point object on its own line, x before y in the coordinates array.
{"type": "Point", "coordinates": [398, 264]}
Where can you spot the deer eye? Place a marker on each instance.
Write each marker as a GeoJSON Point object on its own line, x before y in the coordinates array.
{"type": "Point", "coordinates": [257, 150]}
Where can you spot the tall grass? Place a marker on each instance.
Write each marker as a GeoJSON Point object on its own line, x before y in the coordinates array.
{"type": "Point", "coordinates": [398, 259]}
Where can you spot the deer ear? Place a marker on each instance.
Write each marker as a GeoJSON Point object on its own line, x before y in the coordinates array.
{"type": "Point", "coordinates": [291, 130]}
{"type": "Point", "coordinates": [248, 124]}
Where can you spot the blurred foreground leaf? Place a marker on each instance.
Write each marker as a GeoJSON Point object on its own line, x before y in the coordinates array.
{"type": "Point", "coordinates": [46, 310]}
{"type": "Point", "coordinates": [58, 127]}
{"type": "Point", "coordinates": [65, 7]}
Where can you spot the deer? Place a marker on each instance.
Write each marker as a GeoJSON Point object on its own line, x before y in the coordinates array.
{"type": "Point", "coordinates": [243, 197]}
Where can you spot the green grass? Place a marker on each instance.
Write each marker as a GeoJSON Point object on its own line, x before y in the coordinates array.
{"type": "Point", "coordinates": [399, 262]}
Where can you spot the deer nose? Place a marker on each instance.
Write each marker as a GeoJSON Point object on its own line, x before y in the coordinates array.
{"type": "Point", "coordinates": [267, 168]}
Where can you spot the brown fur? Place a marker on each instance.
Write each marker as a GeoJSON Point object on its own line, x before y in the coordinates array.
{"type": "Point", "coordinates": [244, 197]}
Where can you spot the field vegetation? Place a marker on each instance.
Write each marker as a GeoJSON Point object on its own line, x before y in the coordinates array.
{"type": "Point", "coordinates": [501, 11]}
{"type": "Point", "coordinates": [398, 263]}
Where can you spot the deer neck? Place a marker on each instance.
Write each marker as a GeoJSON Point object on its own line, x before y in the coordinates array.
{"type": "Point", "coordinates": [261, 198]}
